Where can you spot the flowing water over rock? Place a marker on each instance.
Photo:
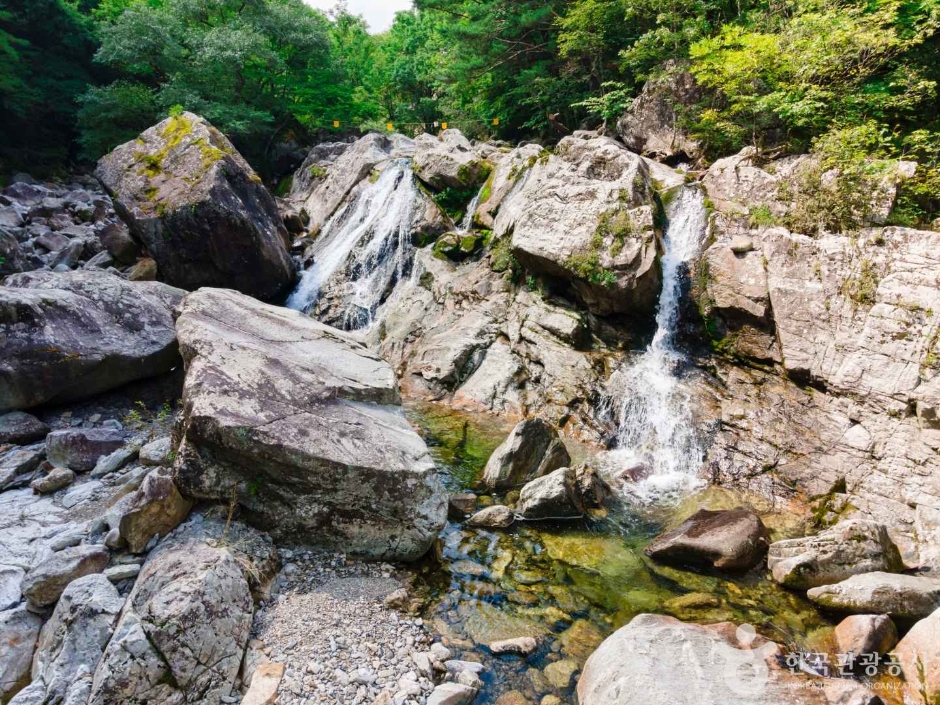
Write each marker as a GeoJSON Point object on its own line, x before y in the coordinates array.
{"type": "Point", "coordinates": [467, 223]}
{"type": "Point", "coordinates": [655, 432]}
{"type": "Point", "coordinates": [368, 241]}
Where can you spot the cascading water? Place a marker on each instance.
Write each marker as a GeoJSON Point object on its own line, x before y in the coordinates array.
{"type": "Point", "coordinates": [467, 221]}
{"type": "Point", "coordinates": [368, 240]}
{"type": "Point", "coordinates": [655, 432]}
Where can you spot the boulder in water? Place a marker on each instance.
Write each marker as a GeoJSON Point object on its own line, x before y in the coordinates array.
{"type": "Point", "coordinates": [848, 548]}
{"type": "Point", "coordinates": [555, 496]}
{"type": "Point", "coordinates": [532, 450]}
{"type": "Point", "coordinates": [199, 209]}
{"type": "Point", "coordinates": [866, 634]}
{"type": "Point", "coordinates": [70, 336]}
{"type": "Point", "coordinates": [659, 660]}
{"type": "Point", "coordinates": [303, 425]}
{"type": "Point", "coordinates": [903, 596]}
{"type": "Point", "coordinates": [732, 540]}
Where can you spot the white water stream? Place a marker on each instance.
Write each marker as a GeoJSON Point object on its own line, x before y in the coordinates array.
{"type": "Point", "coordinates": [368, 240]}
{"type": "Point", "coordinates": [655, 431]}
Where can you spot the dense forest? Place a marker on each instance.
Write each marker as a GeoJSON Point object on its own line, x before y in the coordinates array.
{"type": "Point", "coordinates": [854, 80]}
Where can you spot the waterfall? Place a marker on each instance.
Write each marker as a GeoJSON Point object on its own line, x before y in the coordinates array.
{"type": "Point", "coordinates": [367, 243]}
{"type": "Point", "coordinates": [655, 433]}
{"type": "Point", "coordinates": [467, 223]}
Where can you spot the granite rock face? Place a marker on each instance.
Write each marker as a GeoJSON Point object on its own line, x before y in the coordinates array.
{"type": "Point", "coordinates": [304, 426]}
{"type": "Point", "coordinates": [199, 209]}
{"type": "Point", "coordinates": [70, 336]}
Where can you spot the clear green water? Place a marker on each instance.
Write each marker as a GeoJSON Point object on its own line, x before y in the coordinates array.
{"type": "Point", "coordinates": [571, 584]}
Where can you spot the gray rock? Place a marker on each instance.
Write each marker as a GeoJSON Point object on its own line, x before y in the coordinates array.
{"type": "Point", "coordinates": [18, 462]}
{"type": "Point", "coordinates": [74, 638]}
{"type": "Point", "coordinates": [154, 510]}
{"type": "Point", "coordinates": [448, 161]}
{"type": "Point", "coordinates": [116, 460]}
{"type": "Point", "coordinates": [303, 425]}
{"type": "Point", "coordinates": [81, 448]}
{"type": "Point", "coordinates": [184, 630]}
{"type": "Point", "coordinates": [585, 215]}
{"type": "Point", "coordinates": [659, 660]}
{"type": "Point", "coordinates": [156, 453]}
{"type": "Point", "coordinates": [731, 539]}
{"type": "Point", "coordinates": [199, 209]}
{"type": "Point", "coordinates": [653, 124]}
{"type": "Point", "coordinates": [54, 480]}
{"type": "Point", "coordinates": [495, 517]}
{"type": "Point", "coordinates": [11, 255]}
{"type": "Point", "coordinates": [532, 450]}
{"type": "Point", "coordinates": [452, 694]}
{"type": "Point", "coordinates": [848, 548]}
{"type": "Point", "coordinates": [904, 596]}
{"type": "Point", "coordinates": [102, 260]}
{"type": "Point", "coordinates": [866, 634]}
{"type": "Point", "coordinates": [120, 573]}
{"type": "Point", "coordinates": [919, 655]}
{"type": "Point", "coordinates": [68, 256]}
{"type": "Point", "coordinates": [554, 496]}
{"type": "Point", "coordinates": [65, 337]}
{"type": "Point", "coordinates": [523, 646]}
{"type": "Point", "coordinates": [53, 242]}
{"type": "Point", "coordinates": [11, 577]}
{"type": "Point", "coordinates": [45, 582]}
{"type": "Point", "coordinates": [20, 428]}
{"type": "Point", "coordinates": [119, 243]}
{"type": "Point", "coordinates": [19, 631]}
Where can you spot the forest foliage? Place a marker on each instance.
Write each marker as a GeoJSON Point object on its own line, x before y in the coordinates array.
{"type": "Point", "coordinates": [854, 80]}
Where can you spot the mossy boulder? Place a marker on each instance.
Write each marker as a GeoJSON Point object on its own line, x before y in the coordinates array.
{"type": "Point", "coordinates": [458, 247]}
{"type": "Point", "coordinates": [192, 201]}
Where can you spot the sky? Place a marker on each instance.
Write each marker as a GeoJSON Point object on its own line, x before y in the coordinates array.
{"type": "Point", "coordinates": [378, 13]}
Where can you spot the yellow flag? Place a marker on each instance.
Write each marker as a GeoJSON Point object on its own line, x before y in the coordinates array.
{"type": "Point", "coordinates": [443, 125]}
{"type": "Point", "coordinates": [495, 121]}
{"type": "Point", "coordinates": [336, 123]}
{"type": "Point", "coordinates": [389, 126]}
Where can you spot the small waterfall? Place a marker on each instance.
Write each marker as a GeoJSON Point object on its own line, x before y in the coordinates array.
{"type": "Point", "coordinates": [655, 434]}
{"type": "Point", "coordinates": [467, 223]}
{"type": "Point", "coordinates": [368, 243]}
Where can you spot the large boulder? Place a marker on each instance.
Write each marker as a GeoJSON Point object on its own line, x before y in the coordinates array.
{"type": "Point", "coordinates": [70, 336]}
{"type": "Point", "coordinates": [554, 496]}
{"type": "Point", "coordinates": [848, 548]}
{"type": "Point", "coordinates": [734, 539]}
{"type": "Point", "coordinates": [653, 125]}
{"type": "Point", "coordinates": [199, 209]}
{"type": "Point", "coordinates": [19, 632]}
{"type": "Point", "coordinates": [866, 634]}
{"type": "Point", "coordinates": [532, 450]}
{"type": "Point", "coordinates": [659, 660]}
{"type": "Point", "coordinates": [73, 639]}
{"type": "Point", "coordinates": [303, 425]}
{"type": "Point", "coordinates": [448, 161]}
{"type": "Point", "coordinates": [183, 632]}
{"type": "Point", "coordinates": [904, 596]}
{"type": "Point", "coordinates": [584, 215]}
{"type": "Point", "coordinates": [919, 655]}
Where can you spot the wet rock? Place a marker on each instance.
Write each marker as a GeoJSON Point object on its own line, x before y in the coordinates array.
{"type": "Point", "coordinates": [661, 661]}
{"type": "Point", "coordinates": [154, 510]}
{"type": "Point", "coordinates": [156, 453]}
{"type": "Point", "coordinates": [532, 450]}
{"type": "Point", "coordinates": [20, 428]}
{"type": "Point", "coordinates": [264, 684]}
{"type": "Point", "coordinates": [560, 673]}
{"type": "Point", "coordinates": [606, 246]}
{"type": "Point", "coordinates": [73, 639]}
{"type": "Point", "coordinates": [495, 517]}
{"type": "Point", "coordinates": [45, 582]}
{"type": "Point", "coordinates": [80, 449]}
{"type": "Point", "coordinates": [653, 124]}
{"type": "Point", "coordinates": [580, 640]}
{"type": "Point", "coordinates": [304, 425]}
{"type": "Point", "coordinates": [731, 540]}
{"type": "Point", "coordinates": [448, 161]}
{"type": "Point", "coordinates": [554, 496]}
{"type": "Point", "coordinates": [452, 694]}
{"type": "Point", "coordinates": [184, 630]}
{"type": "Point", "coordinates": [19, 631]}
{"type": "Point", "coordinates": [54, 480]}
{"type": "Point", "coordinates": [521, 646]}
{"type": "Point", "coordinates": [18, 462]}
{"type": "Point", "coordinates": [848, 548]}
{"type": "Point", "coordinates": [199, 209]}
{"type": "Point", "coordinates": [866, 634]}
{"type": "Point", "coordinates": [513, 697]}
{"type": "Point", "coordinates": [460, 505]}
{"type": "Point", "coordinates": [904, 596]}
{"type": "Point", "coordinates": [65, 337]}
{"type": "Point", "coordinates": [919, 655]}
